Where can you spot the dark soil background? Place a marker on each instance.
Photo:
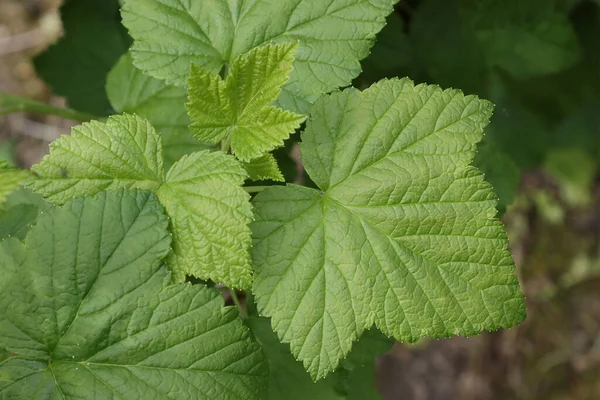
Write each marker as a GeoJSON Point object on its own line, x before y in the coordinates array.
{"type": "Point", "coordinates": [554, 355]}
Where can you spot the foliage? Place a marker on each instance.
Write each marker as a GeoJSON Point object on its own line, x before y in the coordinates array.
{"type": "Point", "coordinates": [130, 91]}
{"type": "Point", "coordinates": [390, 228]}
{"type": "Point", "coordinates": [76, 66]}
{"type": "Point", "coordinates": [90, 306]}
{"type": "Point", "coordinates": [202, 192]}
{"type": "Point", "coordinates": [424, 242]}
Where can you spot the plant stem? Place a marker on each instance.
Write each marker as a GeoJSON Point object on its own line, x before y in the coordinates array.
{"type": "Point", "coordinates": [237, 302]}
{"type": "Point", "coordinates": [226, 144]}
{"type": "Point", "coordinates": [255, 189]}
{"type": "Point", "coordinates": [10, 103]}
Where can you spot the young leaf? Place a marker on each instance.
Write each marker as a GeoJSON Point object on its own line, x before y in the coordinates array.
{"type": "Point", "coordinates": [210, 215]}
{"type": "Point", "coordinates": [264, 168]}
{"type": "Point", "coordinates": [402, 233]}
{"type": "Point", "coordinates": [202, 192]}
{"type": "Point", "coordinates": [86, 304]}
{"type": "Point", "coordinates": [130, 91]}
{"type": "Point", "coordinates": [10, 179]}
{"type": "Point", "coordinates": [76, 66]}
{"type": "Point", "coordinates": [239, 109]}
{"type": "Point", "coordinates": [333, 36]}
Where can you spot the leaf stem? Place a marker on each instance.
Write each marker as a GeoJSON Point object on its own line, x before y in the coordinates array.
{"type": "Point", "coordinates": [237, 302]}
{"type": "Point", "coordinates": [10, 103]}
{"type": "Point", "coordinates": [226, 144]}
{"type": "Point", "coordinates": [255, 189]}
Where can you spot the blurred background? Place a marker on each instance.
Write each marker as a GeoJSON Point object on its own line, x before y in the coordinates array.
{"type": "Point", "coordinates": [537, 60]}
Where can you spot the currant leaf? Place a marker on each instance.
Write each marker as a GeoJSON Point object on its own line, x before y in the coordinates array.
{"type": "Point", "coordinates": [202, 192]}
{"type": "Point", "coordinates": [402, 233]}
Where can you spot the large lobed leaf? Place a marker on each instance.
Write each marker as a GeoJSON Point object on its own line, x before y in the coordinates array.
{"type": "Point", "coordinates": [87, 306]}
{"type": "Point", "coordinates": [238, 110]}
{"type": "Point", "coordinates": [402, 234]}
{"type": "Point", "coordinates": [171, 35]}
{"type": "Point", "coordinates": [202, 192]}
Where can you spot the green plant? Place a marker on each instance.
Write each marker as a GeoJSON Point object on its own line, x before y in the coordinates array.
{"type": "Point", "coordinates": [394, 231]}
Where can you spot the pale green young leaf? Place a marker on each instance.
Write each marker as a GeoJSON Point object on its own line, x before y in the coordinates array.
{"type": "Point", "coordinates": [263, 168]}
{"type": "Point", "coordinates": [402, 234]}
{"type": "Point", "coordinates": [202, 192]}
{"type": "Point", "coordinates": [130, 91]}
{"type": "Point", "coordinates": [239, 109]}
{"type": "Point", "coordinates": [210, 214]}
{"type": "Point", "coordinates": [10, 179]}
{"type": "Point", "coordinates": [87, 305]}
{"type": "Point", "coordinates": [170, 36]}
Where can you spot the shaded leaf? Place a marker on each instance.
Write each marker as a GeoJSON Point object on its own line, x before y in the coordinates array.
{"type": "Point", "coordinates": [76, 66]}
{"type": "Point", "coordinates": [102, 320]}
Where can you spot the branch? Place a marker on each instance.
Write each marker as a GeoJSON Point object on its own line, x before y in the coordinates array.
{"type": "Point", "coordinates": [10, 103]}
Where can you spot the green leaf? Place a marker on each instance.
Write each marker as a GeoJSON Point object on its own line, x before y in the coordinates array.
{"type": "Point", "coordinates": [239, 109]}
{"type": "Point", "coordinates": [130, 91]}
{"type": "Point", "coordinates": [20, 212]}
{"type": "Point", "coordinates": [556, 96]}
{"type": "Point", "coordinates": [124, 152]}
{"type": "Point", "coordinates": [391, 55]}
{"type": "Point", "coordinates": [446, 48]}
{"type": "Point", "coordinates": [25, 196]}
{"type": "Point", "coordinates": [10, 179]}
{"type": "Point", "coordinates": [500, 171]}
{"type": "Point", "coordinates": [15, 221]}
{"type": "Point", "coordinates": [76, 67]}
{"type": "Point", "coordinates": [542, 48]}
{"type": "Point", "coordinates": [202, 192]}
{"type": "Point", "coordinates": [264, 168]}
{"type": "Point", "coordinates": [360, 384]}
{"type": "Point", "coordinates": [402, 234]}
{"type": "Point", "coordinates": [86, 304]}
{"type": "Point", "coordinates": [289, 380]}
{"type": "Point", "coordinates": [581, 129]}
{"type": "Point", "coordinates": [527, 39]}
{"type": "Point", "coordinates": [516, 131]}
{"type": "Point", "coordinates": [179, 143]}
{"type": "Point", "coordinates": [574, 172]}
{"type": "Point", "coordinates": [210, 215]}
{"type": "Point", "coordinates": [333, 37]}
